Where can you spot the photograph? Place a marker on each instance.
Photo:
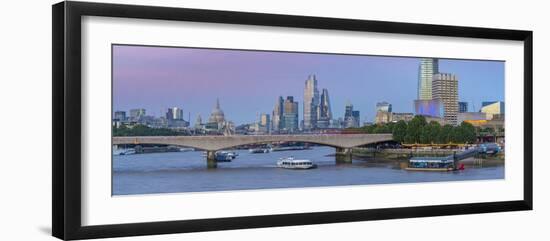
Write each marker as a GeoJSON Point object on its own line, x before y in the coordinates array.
{"type": "Point", "coordinates": [275, 120]}
{"type": "Point", "coordinates": [193, 119]}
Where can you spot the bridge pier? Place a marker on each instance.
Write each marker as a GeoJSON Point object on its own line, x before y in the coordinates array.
{"type": "Point", "coordinates": [343, 155]}
{"type": "Point", "coordinates": [211, 159]}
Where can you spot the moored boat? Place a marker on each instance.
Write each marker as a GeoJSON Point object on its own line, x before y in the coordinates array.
{"type": "Point", "coordinates": [123, 152]}
{"type": "Point", "coordinates": [259, 150]}
{"type": "Point", "coordinates": [223, 156]}
{"type": "Point", "coordinates": [489, 148]}
{"type": "Point", "coordinates": [230, 154]}
{"type": "Point", "coordinates": [441, 164]}
{"type": "Point", "coordinates": [186, 149]}
{"type": "Point", "coordinates": [290, 148]}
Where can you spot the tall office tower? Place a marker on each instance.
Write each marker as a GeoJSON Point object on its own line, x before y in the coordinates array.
{"type": "Point", "coordinates": [383, 107]}
{"type": "Point", "coordinates": [174, 113]}
{"type": "Point", "coordinates": [324, 113]}
{"type": "Point", "coordinates": [462, 107]}
{"type": "Point", "coordinates": [356, 118]}
{"type": "Point", "coordinates": [349, 109]}
{"type": "Point", "coordinates": [311, 103]}
{"type": "Point", "coordinates": [290, 115]}
{"type": "Point", "coordinates": [277, 115]}
{"type": "Point", "coordinates": [265, 123]}
{"type": "Point", "coordinates": [445, 88]}
{"type": "Point", "coordinates": [428, 67]}
{"type": "Point", "coordinates": [136, 114]}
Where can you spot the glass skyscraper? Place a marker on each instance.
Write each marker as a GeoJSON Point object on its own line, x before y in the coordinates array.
{"type": "Point", "coordinates": [311, 103]}
{"type": "Point", "coordinates": [428, 67]}
{"type": "Point", "coordinates": [290, 115]}
{"type": "Point", "coordinates": [277, 115]}
{"type": "Point", "coordinates": [324, 113]}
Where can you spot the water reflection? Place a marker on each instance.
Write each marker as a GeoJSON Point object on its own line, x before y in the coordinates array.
{"type": "Point", "coordinates": [187, 172]}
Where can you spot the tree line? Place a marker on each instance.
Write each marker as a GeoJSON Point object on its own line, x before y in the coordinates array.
{"type": "Point", "coordinates": [419, 131]}
{"type": "Point", "coordinates": [143, 130]}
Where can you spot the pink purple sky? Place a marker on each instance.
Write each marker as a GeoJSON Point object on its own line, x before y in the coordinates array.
{"type": "Point", "coordinates": [249, 82]}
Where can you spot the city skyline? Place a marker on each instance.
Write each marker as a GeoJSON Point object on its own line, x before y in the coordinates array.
{"type": "Point", "coordinates": [156, 78]}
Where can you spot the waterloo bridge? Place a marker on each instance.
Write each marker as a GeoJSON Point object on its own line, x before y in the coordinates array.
{"type": "Point", "coordinates": [342, 142]}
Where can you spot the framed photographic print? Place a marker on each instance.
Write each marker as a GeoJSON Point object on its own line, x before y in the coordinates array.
{"type": "Point", "coordinates": [169, 120]}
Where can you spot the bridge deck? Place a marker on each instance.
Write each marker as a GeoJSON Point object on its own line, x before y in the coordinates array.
{"type": "Point", "coordinates": [223, 142]}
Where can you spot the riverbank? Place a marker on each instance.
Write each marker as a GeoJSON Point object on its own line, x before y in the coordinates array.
{"type": "Point", "coordinates": [405, 154]}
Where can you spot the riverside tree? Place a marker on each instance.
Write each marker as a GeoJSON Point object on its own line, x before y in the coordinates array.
{"type": "Point", "coordinates": [400, 131]}
{"type": "Point", "coordinates": [143, 130]}
{"type": "Point", "coordinates": [419, 131]}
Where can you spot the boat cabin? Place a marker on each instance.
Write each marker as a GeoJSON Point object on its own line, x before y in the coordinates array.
{"type": "Point", "coordinates": [431, 163]}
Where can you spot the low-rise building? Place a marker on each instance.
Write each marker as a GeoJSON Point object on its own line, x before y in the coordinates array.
{"type": "Point", "coordinates": [429, 107]}
{"type": "Point", "coordinates": [439, 120]}
{"type": "Point", "coordinates": [383, 117]}
{"type": "Point", "coordinates": [492, 108]}
{"type": "Point", "coordinates": [473, 116]}
{"type": "Point", "coordinates": [396, 117]}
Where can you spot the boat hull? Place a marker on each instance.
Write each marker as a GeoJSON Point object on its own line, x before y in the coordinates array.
{"type": "Point", "coordinates": [429, 169]}
{"type": "Point", "coordinates": [298, 167]}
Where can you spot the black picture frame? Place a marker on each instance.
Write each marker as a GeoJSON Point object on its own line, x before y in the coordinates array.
{"type": "Point", "coordinates": [66, 127]}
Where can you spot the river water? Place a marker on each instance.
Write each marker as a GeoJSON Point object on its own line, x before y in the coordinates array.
{"type": "Point", "coordinates": [175, 172]}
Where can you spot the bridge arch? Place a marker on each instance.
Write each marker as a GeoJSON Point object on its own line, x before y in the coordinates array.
{"type": "Point", "coordinates": [342, 142]}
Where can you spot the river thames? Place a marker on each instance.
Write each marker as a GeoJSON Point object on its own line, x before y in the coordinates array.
{"type": "Point", "coordinates": [174, 172]}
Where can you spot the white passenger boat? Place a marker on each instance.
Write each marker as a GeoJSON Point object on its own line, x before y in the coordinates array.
{"type": "Point", "coordinates": [291, 163]}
